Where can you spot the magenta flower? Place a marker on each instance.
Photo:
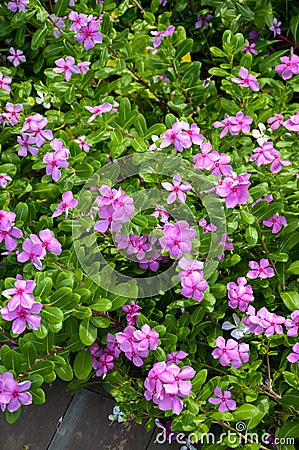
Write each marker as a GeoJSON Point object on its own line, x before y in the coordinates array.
{"type": "Point", "coordinates": [260, 270]}
{"type": "Point", "coordinates": [9, 234]}
{"type": "Point", "coordinates": [268, 197]}
{"type": "Point", "coordinates": [278, 163]}
{"type": "Point", "coordinates": [188, 267]}
{"type": "Point", "coordinates": [18, 5]}
{"type": "Point", "coordinates": [177, 238]}
{"type": "Point", "coordinates": [79, 20]}
{"type": "Point", "coordinates": [205, 160]}
{"type": "Point", "coordinates": [82, 144]}
{"type": "Point", "coordinates": [193, 286]}
{"type": "Point", "coordinates": [240, 123]}
{"type": "Point", "coordinates": [224, 400]}
{"type": "Point", "coordinates": [58, 25]}
{"type": "Point", "coordinates": [235, 189]}
{"type": "Point", "coordinates": [5, 82]}
{"type": "Point", "coordinates": [226, 351]}
{"type": "Point", "coordinates": [66, 66]}
{"type": "Point", "coordinates": [147, 338]}
{"type": "Point", "coordinates": [263, 155]}
{"type": "Point", "coordinates": [221, 164]}
{"type": "Point", "coordinates": [254, 318]}
{"type": "Point", "coordinates": [275, 27]}
{"type": "Point", "coordinates": [294, 357]}
{"type": "Point", "coordinates": [254, 35]}
{"type": "Point", "coordinates": [7, 218]}
{"type": "Point", "coordinates": [292, 123]}
{"type": "Point", "coordinates": [289, 67]}
{"type": "Point", "coordinates": [177, 189]}
{"type": "Point", "coordinates": [49, 242]}
{"type": "Point", "coordinates": [129, 345]}
{"type": "Point", "coordinates": [276, 121]}
{"type": "Point", "coordinates": [161, 34]}
{"type": "Point", "coordinates": [179, 386]}
{"type": "Point", "coordinates": [271, 322]}
{"type": "Point", "coordinates": [240, 295]}
{"type": "Point", "coordinates": [12, 393]}
{"type": "Point", "coordinates": [180, 139]}
{"type": "Point", "coordinates": [89, 34]}
{"type": "Point", "coordinates": [100, 109]}
{"type": "Point", "coordinates": [249, 48]}
{"type": "Point", "coordinates": [83, 66]}
{"type": "Point", "coordinates": [124, 208]}
{"type": "Point", "coordinates": [194, 133]}
{"type": "Point", "coordinates": [56, 159]}
{"type": "Point", "coordinates": [4, 179]}
{"type": "Point", "coordinates": [159, 211]}
{"type": "Point", "coordinates": [31, 251]}
{"type": "Point", "coordinates": [35, 125]}
{"type": "Point", "coordinates": [104, 364]}
{"type": "Point", "coordinates": [293, 323]}
{"type": "Point", "coordinates": [132, 312]}
{"type": "Point", "coordinates": [17, 56]}
{"type": "Point", "coordinates": [175, 357]}
{"type": "Point", "coordinates": [13, 113]}
{"type": "Point", "coordinates": [21, 294]}
{"type": "Point", "coordinates": [247, 80]}
{"type": "Point", "coordinates": [207, 227]}
{"type": "Point", "coordinates": [225, 124]}
{"type": "Point", "coordinates": [23, 316]}
{"type": "Point", "coordinates": [25, 141]}
{"type": "Point", "coordinates": [68, 202]}
{"type": "Point", "coordinates": [276, 222]}
{"type": "Point", "coordinates": [243, 355]}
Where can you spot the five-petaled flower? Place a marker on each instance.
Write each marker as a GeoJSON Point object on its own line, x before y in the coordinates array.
{"type": "Point", "coordinates": [224, 400]}
{"type": "Point", "coordinates": [247, 80]}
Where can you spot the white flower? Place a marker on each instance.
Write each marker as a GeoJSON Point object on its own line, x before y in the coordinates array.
{"type": "Point", "coordinates": [41, 100]}
{"type": "Point", "coordinates": [259, 134]}
{"type": "Point", "coordinates": [240, 328]}
{"type": "Point", "coordinates": [116, 415]}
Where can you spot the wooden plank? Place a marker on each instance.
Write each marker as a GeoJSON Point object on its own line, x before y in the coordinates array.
{"type": "Point", "coordinates": [37, 423]}
{"type": "Point", "coordinates": [86, 426]}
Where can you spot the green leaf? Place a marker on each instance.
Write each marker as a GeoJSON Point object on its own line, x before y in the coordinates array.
{"type": "Point", "coordinates": [22, 213]}
{"type": "Point", "coordinates": [124, 111]}
{"type": "Point", "coordinates": [87, 332]}
{"type": "Point", "coordinates": [100, 321]}
{"type": "Point", "coordinates": [272, 209]}
{"type": "Point", "coordinates": [184, 48]}
{"type": "Point", "coordinates": [245, 412]}
{"type": "Point", "coordinates": [12, 360]}
{"type": "Point", "coordinates": [245, 11]}
{"type": "Point", "coordinates": [290, 299]}
{"type": "Point", "coordinates": [295, 28]}
{"type": "Point", "coordinates": [12, 417]}
{"type": "Point", "coordinates": [83, 365]}
{"type": "Point", "coordinates": [60, 7]}
{"type": "Point", "coordinates": [280, 257]}
{"type": "Point", "coordinates": [38, 38]}
{"type": "Point", "coordinates": [70, 95]}
{"type": "Point", "coordinates": [38, 396]}
{"type": "Point", "coordinates": [199, 380]}
{"type": "Point", "coordinates": [217, 52]}
{"type": "Point", "coordinates": [101, 305]}
{"type": "Point", "coordinates": [61, 297]}
{"type": "Point", "coordinates": [169, 339]}
{"type": "Point", "coordinates": [65, 372]}
{"type": "Point", "coordinates": [43, 288]}
{"type": "Point", "coordinates": [294, 268]}
{"type": "Point", "coordinates": [291, 398]}
{"type": "Point", "coordinates": [43, 368]}
{"type": "Point", "coordinates": [218, 72]}
{"type": "Point", "coordinates": [251, 235]}
{"type": "Point", "coordinates": [288, 433]}
{"type": "Point", "coordinates": [29, 352]}
{"type": "Point", "coordinates": [247, 217]}
{"type": "Point", "coordinates": [52, 314]}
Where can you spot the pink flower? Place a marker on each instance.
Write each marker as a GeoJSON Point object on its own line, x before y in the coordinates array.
{"type": "Point", "coordinates": [5, 82]}
{"type": "Point", "coordinates": [66, 66]}
{"type": "Point", "coordinates": [12, 393]}
{"type": "Point", "coordinates": [4, 179]}
{"type": "Point", "coordinates": [294, 357]}
{"type": "Point", "coordinates": [18, 5]}
{"type": "Point", "coordinates": [292, 123]}
{"type": "Point", "coordinates": [203, 21]}
{"type": "Point", "coordinates": [254, 318]}
{"type": "Point", "coordinates": [221, 164]}
{"type": "Point", "coordinates": [79, 20]}
{"type": "Point", "coordinates": [83, 66]}
{"type": "Point", "coordinates": [58, 24]}
{"type": "Point", "coordinates": [23, 316]}
{"type": "Point", "coordinates": [175, 357]}
{"type": "Point", "coordinates": [276, 222]}
{"type": "Point", "coordinates": [225, 124]}
{"type": "Point", "coordinates": [289, 67]}
{"type": "Point", "coordinates": [9, 235]}
{"type": "Point", "coordinates": [204, 160]}
{"type": "Point", "coordinates": [235, 189]}
{"type": "Point", "coordinates": [25, 141]}
{"type": "Point", "coordinates": [276, 121]}
{"type": "Point", "coordinates": [194, 133]}
{"type": "Point", "coordinates": [132, 312]}
{"type": "Point", "coordinates": [177, 238]}
{"type": "Point", "coordinates": [147, 338]}
{"type": "Point", "coordinates": [68, 202]}
{"type": "Point", "coordinates": [277, 163]}
{"type": "Point", "coordinates": [263, 155]}
{"type": "Point", "coordinates": [89, 34]}
{"type": "Point", "coordinates": [100, 109]}
{"type": "Point", "coordinates": [240, 295]}
{"type": "Point", "coordinates": [207, 227]}
{"type": "Point", "coordinates": [188, 267]}
{"type": "Point", "coordinates": [177, 189]}
{"type": "Point", "coordinates": [16, 57]}
{"type": "Point", "coordinates": [21, 294]}
{"type": "Point", "coordinates": [35, 125]}
{"type": "Point", "coordinates": [271, 322]}
{"type": "Point", "coordinates": [293, 323]}
{"type": "Point", "coordinates": [82, 144]}
{"type": "Point", "coordinates": [193, 286]}
{"type": "Point", "coordinates": [249, 48]}
{"type": "Point", "coordinates": [260, 270]}
{"type": "Point", "coordinates": [226, 351]}
{"type": "Point", "coordinates": [275, 27]}
{"type": "Point", "coordinates": [160, 34]}
{"type": "Point", "coordinates": [224, 400]}
{"type": "Point", "coordinates": [247, 80]}
{"type": "Point", "coordinates": [49, 242]}
{"type": "Point", "coordinates": [180, 139]}
{"type": "Point", "coordinates": [56, 159]}
{"type": "Point", "coordinates": [13, 113]}
{"type": "Point", "coordinates": [31, 251]}
{"type": "Point", "coordinates": [240, 123]}
{"type": "Point", "coordinates": [159, 211]}
{"type": "Point", "coordinates": [268, 198]}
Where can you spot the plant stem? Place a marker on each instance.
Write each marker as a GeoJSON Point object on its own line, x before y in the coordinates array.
{"type": "Point", "coordinates": [51, 353]}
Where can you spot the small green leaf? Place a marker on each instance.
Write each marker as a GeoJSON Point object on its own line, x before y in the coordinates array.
{"type": "Point", "coordinates": [38, 38]}
{"type": "Point", "coordinates": [83, 365]}
{"type": "Point", "coordinates": [290, 299]}
{"type": "Point", "coordinates": [184, 48]}
{"type": "Point", "coordinates": [87, 332]}
{"type": "Point", "coordinates": [52, 314]}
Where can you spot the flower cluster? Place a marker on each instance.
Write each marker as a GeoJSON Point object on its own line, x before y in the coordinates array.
{"type": "Point", "coordinates": [234, 124]}
{"type": "Point", "coordinates": [135, 344]}
{"type": "Point", "coordinates": [177, 238]}
{"type": "Point", "coordinates": [182, 136]}
{"type": "Point", "coordinates": [263, 321]}
{"type": "Point", "coordinates": [34, 135]}
{"type": "Point", "coordinates": [240, 294]}
{"type": "Point", "coordinates": [234, 188]}
{"type": "Point", "coordinates": [142, 247]}
{"type": "Point", "coordinates": [9, 233]}
{"type": "Point", "coordinates": [86, 28]}
{"type": "Point", "coordinates": [192, 279]}
{"type": "Point", "coordinates": [35, 248]}
{"type": "Point", "coordinates": [212, 160]}
{"type": "Point", "coordinates": [57, 159]}
{"type": "Point", "coordinates": [132, 313]}
{"type": "Point", "coordinates": [231, 352]}
{"type": "Point", "coordinates": [267, 154]}
{"type": "Point", "coordinates": [102, 359]}
{"type": "Point", "coordinates": [115, 209]}
{"type": "Point", "coordinates": [12, 393]}
{"type": "Point", "coordinates": [12, 114]}
{"type": "Point", "coordinates": [22, 308]}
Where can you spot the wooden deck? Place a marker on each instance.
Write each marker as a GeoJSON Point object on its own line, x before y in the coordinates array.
{"type": "Point", "coordinates": [85, 425]}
